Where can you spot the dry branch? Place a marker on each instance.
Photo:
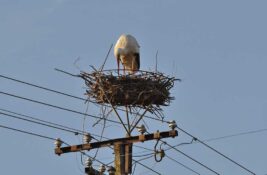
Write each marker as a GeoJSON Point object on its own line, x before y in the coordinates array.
{"type": "Point", "coordinates": [142, 90]}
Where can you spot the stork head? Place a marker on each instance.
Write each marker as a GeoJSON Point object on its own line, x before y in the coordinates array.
{"type": "Point", "coordinates": [122, 51]}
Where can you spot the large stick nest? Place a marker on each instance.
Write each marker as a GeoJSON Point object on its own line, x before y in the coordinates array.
{"type": "Point", "coordinates": [143, 89]}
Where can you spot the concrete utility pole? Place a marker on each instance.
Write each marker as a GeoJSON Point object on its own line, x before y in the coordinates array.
{"type": "Point", "coordinates": [122, 149]}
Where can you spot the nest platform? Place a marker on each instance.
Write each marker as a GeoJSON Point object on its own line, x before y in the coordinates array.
{"type": "Point", "coordinates": [143, 89]}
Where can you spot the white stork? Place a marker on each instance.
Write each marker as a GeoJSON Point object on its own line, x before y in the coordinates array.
{"type": "Point", "coordinates": [126, 51]}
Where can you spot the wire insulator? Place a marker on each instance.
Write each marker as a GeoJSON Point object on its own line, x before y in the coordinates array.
{"type": "Point", "coordinates": [172, 124]}
{"type": "Point", "coordinates": [58, 143]}
{"type": "Point", "coordinates": [111, 170]}
{"type": "Point", "coordinates": [141, 129]}
{"type": "Point", "coordinates": [102, 168]}
{"type": "Point", "coordinates": [87, 138]}
{"type": "Point", "coordinates": [88, 162]}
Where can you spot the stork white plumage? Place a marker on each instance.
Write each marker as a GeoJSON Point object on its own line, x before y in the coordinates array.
{"type": "Point", "coordinates": [126, 51]}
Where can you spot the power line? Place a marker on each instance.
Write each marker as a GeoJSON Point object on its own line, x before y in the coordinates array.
{"type": "Point", "coordinates": [50, 138]}
{"type": "Point", "coordinates": [218, 152]}
{"type": "Point", "coordinates": [58, 107]}
{"type": "Point", "coordinates": [51, 90]}
{"type": "Point", "coordinates": [27, 132]}
{"type": "Point", "coordinates": [180, 144]}
{"type": "Point", "coordinates": [186, 156]}
{"type": "Point", "coordinates": [69, 95]}
{"type": "Point", "coordinates": [225, 137]}
{"type": "Point", "coordinates": [198, 162]}
{"type": "Point", "coordinates": [31, 133]}
{"type": "Point", "coordinates": [44, 124]}
{"type": "Point", "coordinates": [236, 135]}
{"type": "Point", "coordinates": [55, 127]}
{"type": "Point", "coordinates": [138, 161]}
{"type": "Point", "coordinates": [182, 164]}
{"type": "Point", "coordinates": [191, 158]}
{"type": "Point", "coordinates": [146, 167]}
{"type": "Point", "coordinates": [34, 119]}
{"type": "Point", "coordinates": [47, 123]}
{"type": "Point", "coordinates": [44, 88]}
{"type": "Point", "coordinates": [54, 139]}
{"type": "Point", "coordinates": [46, 137]}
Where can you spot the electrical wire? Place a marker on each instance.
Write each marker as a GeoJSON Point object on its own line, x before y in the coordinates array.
{"type": "Point", "coordinates": [58, 107]}
{"type": "Point", "coordinates": [188, 168]}
{"type": "Point", "coordinates": [143, 155]}
{"type": "Point", "coordinates": [46, 137]}
{"type": "Point", "coordinates": [75, 131]}
{"type": "Point", "coordinates": [138, 161]}
{"type": "Point", "coordinates": [180, 144]}
{"type": "Point", "coordinates": [152, 154]}
{"type": "Point", "coordinates": [148, 149]}
{"type": "Point", "coordinates": [198, 162]}
{"type": "Point", "coordinates": [13, 116]}
{"type": "Point", "coordinates": [87, 155]}
{"type": "Point", "coordinates": [235, 135]}
{"type": "Point", "coordinates": [44, 88]}
{"type": "Point", "coordinates": [72, 96]}
{"type": "Point", "coordinates": [50, 138]}
{"type": "Point", "coordinates": [27, 132]}
{"type": "Point", "coordinates": [213, 149]}
{"type": "Point", "coordinates": [69, 95]}
{"type": "Point", "coordinates": [224, 137]}
{"type": "Point", "coordinates": [103, 128]}
{"type": "Point", "coordinates": [133, 169]}
{"type": "Point", "coordinates": [44, 122]}
{"type": "Point", "coordinates": [174, 160]}
{"type": "Point", "coordinates": [180, 152]}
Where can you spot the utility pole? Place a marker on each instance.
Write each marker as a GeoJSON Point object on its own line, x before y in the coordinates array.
{"type": "Point", "coordinates": [122, 149]}
{"type": "Point", "coordinates": [145, 92]}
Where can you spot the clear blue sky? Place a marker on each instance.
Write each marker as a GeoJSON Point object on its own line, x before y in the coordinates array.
{"type": "Point", "coordinates": [218, 48]}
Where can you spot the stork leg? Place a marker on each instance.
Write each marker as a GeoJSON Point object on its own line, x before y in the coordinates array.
{"type": "Point", "coordinates": [118, 65]}
{"type": "Point", "coordinates": [133, 66]}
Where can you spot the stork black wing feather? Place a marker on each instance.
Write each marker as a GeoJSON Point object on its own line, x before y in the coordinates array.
{"type": "Point", "coordinates": [137, 57]}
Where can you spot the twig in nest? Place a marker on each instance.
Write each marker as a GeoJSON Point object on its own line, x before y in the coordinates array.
{"type": "Point", "coordinates": [103, 115]}
{"type": "Point", "coordinates": [146, 90]}
{"type": "Point", "coordinates": [67, 73]}
{"type": "Point", "coordinates": [101, 68]}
